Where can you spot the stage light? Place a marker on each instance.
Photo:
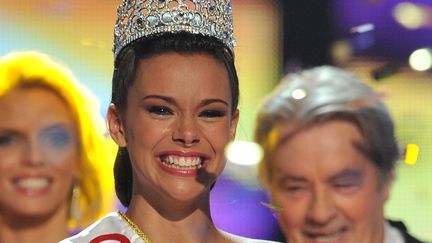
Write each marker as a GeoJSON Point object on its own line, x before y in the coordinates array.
{"type": "Point", "coordinates": [421, 59]}
{"type": "Point", "coordinates": [411, 154]}
{"type": "Point", "coordinates": [363, 28]}
{"type": "Point", "coordinates": [409, 15]}
{"type": "Point", "coordinates": [244, 153]}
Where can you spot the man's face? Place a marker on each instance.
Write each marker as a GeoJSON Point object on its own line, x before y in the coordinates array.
{"type": "Point", "coordinates": [329, 190]}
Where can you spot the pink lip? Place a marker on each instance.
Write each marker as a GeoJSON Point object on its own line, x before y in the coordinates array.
{"type": "Point", "coordinates": [31, 192]}
{"type": "Point", "coordinates": [182, 172]}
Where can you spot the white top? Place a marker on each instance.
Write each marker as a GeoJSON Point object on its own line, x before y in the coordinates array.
{"type": "Point", "coordinates": [391, 234]}
{"type": "Point", "coordinates": [113, 229]}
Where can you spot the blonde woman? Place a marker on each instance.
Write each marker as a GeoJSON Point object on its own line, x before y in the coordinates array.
{"type": "Point", "coordinates": [54, 167]}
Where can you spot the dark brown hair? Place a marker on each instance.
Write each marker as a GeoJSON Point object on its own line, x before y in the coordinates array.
{"type": "Point", "coordinates": [124, 74]}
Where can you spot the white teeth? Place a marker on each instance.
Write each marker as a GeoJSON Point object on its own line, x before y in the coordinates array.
{"type": "Point", "coordinates": [180, 162]}
{"type": "Point", "coordinates": [33, 183]}
{"type": "Point", "coordinates": [328, 237]}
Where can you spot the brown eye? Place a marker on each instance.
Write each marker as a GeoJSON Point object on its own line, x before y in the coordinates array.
{"type": "Point", "coordinates": [160, 110]}
{"type": "Point", "coordinates": [212, 113]}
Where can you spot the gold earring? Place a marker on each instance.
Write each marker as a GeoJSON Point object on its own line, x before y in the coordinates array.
{"type": "Point", "coordinates": [75, 209]}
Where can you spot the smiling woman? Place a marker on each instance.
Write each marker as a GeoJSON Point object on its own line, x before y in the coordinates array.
{"type": "Point", "coordinates": [174, 109]}
{"type": "Point", "coordinates": [165, 124]}
{"type": "Point", "coordinates": [52, 157]}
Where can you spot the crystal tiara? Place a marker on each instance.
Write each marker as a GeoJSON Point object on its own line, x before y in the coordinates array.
{"type": "Point", "coordinates": [142, 18]}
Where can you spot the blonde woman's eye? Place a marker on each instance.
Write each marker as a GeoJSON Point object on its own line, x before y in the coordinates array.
{"type": "Point", "coordinates": [56, 137]}
{"type": "Point", "coordinates": [6, 140]}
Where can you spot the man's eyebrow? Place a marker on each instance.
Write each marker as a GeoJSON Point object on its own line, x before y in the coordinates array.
{"type": "Point", "coordinates": [347, 173]}
{"type": "Point", "coordinates": [291, 178]}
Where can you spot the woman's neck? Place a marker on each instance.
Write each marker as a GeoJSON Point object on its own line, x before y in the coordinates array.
{"type": "Point", "coordinates": [46, 229]}
{"type": "Point", "coordinates": [175, 221]}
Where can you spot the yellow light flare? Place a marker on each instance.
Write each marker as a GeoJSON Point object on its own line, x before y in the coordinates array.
{"type": "Point", "coordinates": [411, 154]}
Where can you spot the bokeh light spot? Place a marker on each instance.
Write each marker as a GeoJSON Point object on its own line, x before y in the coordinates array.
{"type": "Point", "coordinates": [409, 15]}
{"type": "Point", "coordinates": [421, 59]}
{"type": "Point", "coordinates": [244, 153]}
{"type": "Point", "coordinates": [299, 94]}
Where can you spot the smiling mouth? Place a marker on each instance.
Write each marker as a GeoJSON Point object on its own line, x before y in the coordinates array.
{"type": "Point", "coordinates": [182, 163]}
{"type": "Point", "coordinates": [325, 237]}
{"type": "Point", "coordinates": [32, 186]}
{"type": "Point", "coordinates": [32, 183]}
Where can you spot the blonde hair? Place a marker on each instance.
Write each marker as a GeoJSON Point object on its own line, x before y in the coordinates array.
{"type": "Point", "coordinates": [28, 69]}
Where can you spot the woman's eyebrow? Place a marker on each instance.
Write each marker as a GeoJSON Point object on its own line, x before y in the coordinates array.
{"type": "Point", "coordinates": [160, 97]}
{"type": "Point", "coordinates": [214, 100]}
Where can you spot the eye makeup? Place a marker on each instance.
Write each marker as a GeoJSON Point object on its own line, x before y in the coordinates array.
{"type": "Point", "coordinates": [55, 138]}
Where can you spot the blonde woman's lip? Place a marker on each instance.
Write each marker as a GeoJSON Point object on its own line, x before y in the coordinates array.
{"type": "Point", "coordinates": [32, 185]}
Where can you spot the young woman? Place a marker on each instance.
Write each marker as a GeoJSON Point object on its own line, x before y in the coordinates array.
{"type": "Point", "coordinates": [173, 111]}
{"type": "Point", "coordinates": [52, 157]}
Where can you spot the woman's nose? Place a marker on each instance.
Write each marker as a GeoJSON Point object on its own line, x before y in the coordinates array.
{"type": "Point", "coordinates": [187, 132]}
{"type": "Point", "coordinates": [33, 154]}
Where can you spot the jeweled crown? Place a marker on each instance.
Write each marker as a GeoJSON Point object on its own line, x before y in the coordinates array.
{"type": "Point", "coordinates": [143, 18]}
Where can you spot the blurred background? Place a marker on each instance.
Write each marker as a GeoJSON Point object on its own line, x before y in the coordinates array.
{"type": "Point", "coordinates": [388, 43]}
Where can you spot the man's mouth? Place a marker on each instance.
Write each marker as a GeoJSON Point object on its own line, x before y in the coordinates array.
{"type": "Point", "coordinates": [325, 236]}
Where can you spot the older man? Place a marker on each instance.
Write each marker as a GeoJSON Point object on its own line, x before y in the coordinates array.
{"type": "Point", "coordinates": [330, 153]}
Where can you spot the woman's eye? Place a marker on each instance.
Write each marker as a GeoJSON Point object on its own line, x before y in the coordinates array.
{"type": "Point", "coordinates": [212, 113]}
{"type": "Point", "coordinates": [58, 139]}
{"type": "Point", "coordinates": [160, 110]}
{"type": "Point", "coordinates": [55, 137]}
{"type": "Point", "coordinates": [6, 140]}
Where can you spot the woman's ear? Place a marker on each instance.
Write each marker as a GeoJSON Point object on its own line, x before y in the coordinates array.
{"type": "Point", "coordinates": [115, 126]}
{"type": "Point", "coordinates": [234, 122]}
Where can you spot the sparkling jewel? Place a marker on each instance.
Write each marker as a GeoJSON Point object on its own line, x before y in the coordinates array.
{"type": "Point", "coordinates": [142, 18]}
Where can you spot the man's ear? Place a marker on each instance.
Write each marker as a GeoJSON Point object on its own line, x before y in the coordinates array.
{"type": "Point", "coordinates": [387, 185]}
{"type": "Point", "coordinates": [115, 126]}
